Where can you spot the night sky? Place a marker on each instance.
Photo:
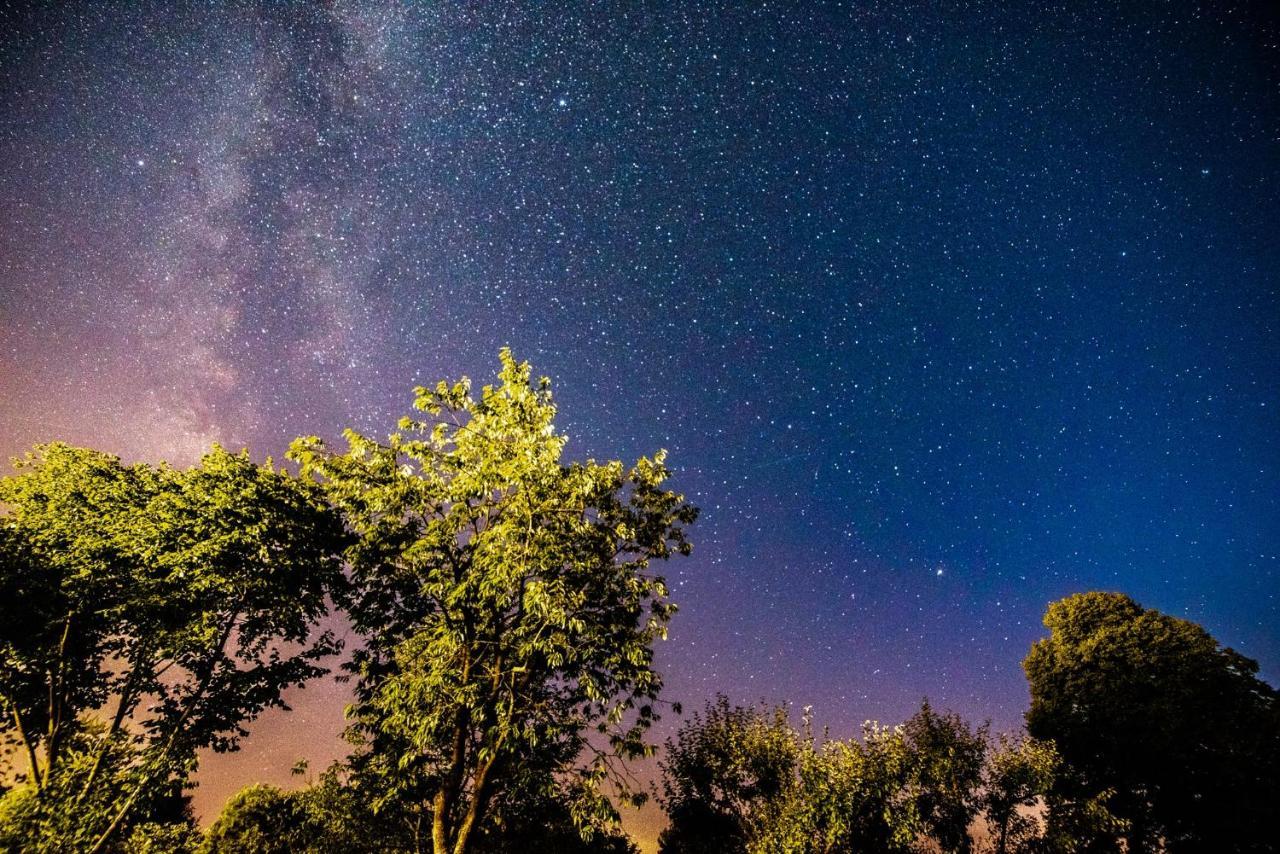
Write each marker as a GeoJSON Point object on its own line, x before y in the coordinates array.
{"type": "Point", "coordinates": [944, 311]}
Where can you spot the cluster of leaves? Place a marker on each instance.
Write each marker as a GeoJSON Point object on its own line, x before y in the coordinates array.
{"type": "Point", "coordinates": [1019, 772]}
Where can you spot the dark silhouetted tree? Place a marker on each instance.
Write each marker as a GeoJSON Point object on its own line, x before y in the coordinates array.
{"type": "Point", "coordinates": [1153, 709]}
{"type": "Point", "coordinates": [946, 758]}
{"type": "Point", "coordinates": [725, 768]}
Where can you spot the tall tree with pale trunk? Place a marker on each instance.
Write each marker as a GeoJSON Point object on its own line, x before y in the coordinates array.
{"type": "Point", "coordinates": [508, 602]}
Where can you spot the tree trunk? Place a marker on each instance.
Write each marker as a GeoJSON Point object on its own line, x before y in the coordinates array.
{"type": "Point", "coordinates": [57, 701]}
{"type": "Point", "coordinates": [439, 830]}
{"type": "Point", "coordinates": [475, 811]}
{"type": "Point", "coordinates": [446, 798]}
{"type": "Point", "coordinates": [32, 756]}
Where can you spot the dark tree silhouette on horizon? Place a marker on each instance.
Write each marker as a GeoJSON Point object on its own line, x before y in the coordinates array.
{"type": "Point", "coordinates": [1154, 709]}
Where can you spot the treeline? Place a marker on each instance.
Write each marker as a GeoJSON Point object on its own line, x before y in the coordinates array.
{"type": "Point", "coordinates": [1143, 735]}
{"type": "Point", "coordinates": [507, 603]}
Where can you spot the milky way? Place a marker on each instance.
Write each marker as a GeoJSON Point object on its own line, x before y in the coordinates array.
{"type": "Point", "coordinates": [942, 311]}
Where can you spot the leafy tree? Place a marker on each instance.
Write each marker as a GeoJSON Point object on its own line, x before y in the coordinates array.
{"type": "Point", "coordinates": [507, 601]}
{"type": "Point", "coordinates": [1152, 708]}
{"type": "Point", "coordinates": [849, 796]}
{"type": "Point", "coordinates": [946, 758]}
{"type": "Point", "coordinates": [329, 816]}
{"type": "Point", "coordinates": [63, 581]}
{"type": "Point", "coordinates": [262, 819]}
{"type": "Point", "coordinates": [176, 604]}
{"type": "Point", "coordinates": [341, 819]}
{"type": "Point", "coordinates": [1019, 774]}
{"type": "Point", "coordinates": [740, 779]}
{"type": "Point", "coordinates": [725, 769]}
{"type": "Point", "coordinates": [1024, 812]}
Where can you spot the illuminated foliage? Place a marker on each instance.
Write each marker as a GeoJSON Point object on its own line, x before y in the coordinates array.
{"type": "Point", "coordinates": [739, 779]}
{"type": "Point", "coordinates": [507, 600]}
{"type": "Point", "coordinates": [1019, 774]}
{"type": "Point", "coordinates": [849, 796]}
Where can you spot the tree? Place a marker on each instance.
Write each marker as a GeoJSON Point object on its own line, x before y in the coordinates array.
{"type": "Point", "coordinates": [1153, 708]}
{"type": "Point", "coordinates": [331, 815]}
{"type": "Point", "coordinates": [848, 796]}
{"type": "Point", "coordinates": [946, 758]}
{"type": "Point", "coordinates": [506, 598]}
{"type": "Point", "coordinates": [739, 779]}
{"type": "Point", "coordinates": [261, 819]}
{"type": "Point", "coordinates": [177, 604]}
{"type": "Point", "coordinates": [1019, 774]}
{"type": "Point", "coordinates": [341, 819]}
{"type": "Point", "coordinates": [725, 769]}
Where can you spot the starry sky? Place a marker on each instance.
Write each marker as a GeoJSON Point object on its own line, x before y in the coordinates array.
{"type": "Point", "coordinates": [944, 310]}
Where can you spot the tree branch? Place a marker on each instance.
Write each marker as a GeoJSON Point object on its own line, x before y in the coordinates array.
{"type": "Point", "coordinates": [158, 760]}
{"type": "Point", "coordinates": [127, 694]}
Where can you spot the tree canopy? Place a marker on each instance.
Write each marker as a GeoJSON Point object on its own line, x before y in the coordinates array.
{"type": "Point", "coordinates": [1018, 773]}
{"type": "Point", "coordinates": [738, 779]}
{"type": "Point", "coordinates": [508, 602]}
{"type": "Point", "coordinates": [1152, 708]}
{"type": "Point", "coordinates": [722, 773]}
